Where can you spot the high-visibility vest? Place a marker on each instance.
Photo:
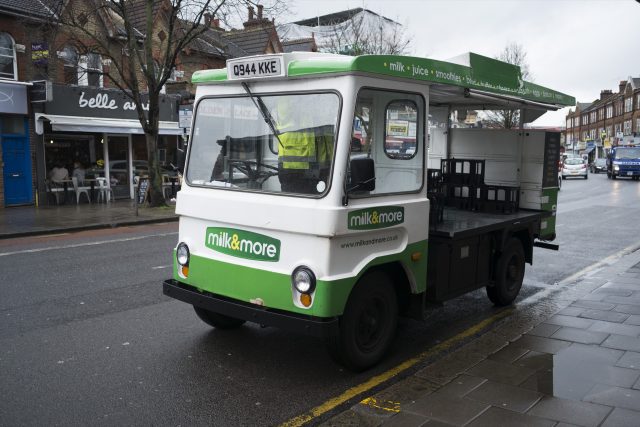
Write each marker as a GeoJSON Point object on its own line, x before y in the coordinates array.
{"type": "Point", "coordinates": [304, 150]}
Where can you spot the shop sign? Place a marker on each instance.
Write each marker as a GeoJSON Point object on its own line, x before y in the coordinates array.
{"type": "Point", "coordinates": [40, 53]}
{"type": "Point", "coordinates": [13, 98]}
{"type": "Point", "coordinates": [185, 113]}
{"type": "Point", "coordinates": [86, 101]}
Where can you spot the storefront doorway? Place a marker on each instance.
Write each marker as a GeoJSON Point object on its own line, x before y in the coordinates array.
{"type": "Point", "coordinates": [119, 147]}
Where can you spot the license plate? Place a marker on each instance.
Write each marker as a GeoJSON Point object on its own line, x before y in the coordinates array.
{"type": "Point", "coordinates": [629, 173]}
{"type": "Point", "coordinates": [254, 68]}
{"type": "Point", "coordinates": [575, 172]}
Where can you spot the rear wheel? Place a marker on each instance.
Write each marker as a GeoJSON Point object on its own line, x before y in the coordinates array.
{"type": "Point", "coordinates": [217, 320]}
{"type": "Point", "coordinates": [368, 324]}
{"type": "Point", "coordinates": [509, 274]}
{"type": "Point", "coordinates": [613, 176]}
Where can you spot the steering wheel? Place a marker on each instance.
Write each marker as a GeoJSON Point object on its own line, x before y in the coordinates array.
{"type": "Point", "coordinates": [254, 173]}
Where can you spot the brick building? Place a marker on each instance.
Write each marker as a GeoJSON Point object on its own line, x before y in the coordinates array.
{"type": "Point", "coordinates": [612, 119]}
{"type": "Point", "coordinates": [59, 106]}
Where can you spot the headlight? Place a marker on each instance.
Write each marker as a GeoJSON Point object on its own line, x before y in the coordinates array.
{"type": "Point", "coordinates": [182, 254]}
{"type": "Point", "coordinates": [303, 280]}
{"type": "Point", "coordinates": [616, 167]}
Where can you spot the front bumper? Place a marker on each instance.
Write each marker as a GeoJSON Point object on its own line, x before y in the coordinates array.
{"type": "Point", "coordinates": [308, 325]}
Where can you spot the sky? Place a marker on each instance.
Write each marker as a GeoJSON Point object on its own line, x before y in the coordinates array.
{"type": "Point", "coordinates": [575, 47]}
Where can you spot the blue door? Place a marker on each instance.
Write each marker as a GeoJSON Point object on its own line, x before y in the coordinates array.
{"type": "Point", "coordinates": [17, 169]}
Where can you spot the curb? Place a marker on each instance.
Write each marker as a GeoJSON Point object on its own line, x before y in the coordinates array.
{"type": "Point", "coordinates": [128, 223]}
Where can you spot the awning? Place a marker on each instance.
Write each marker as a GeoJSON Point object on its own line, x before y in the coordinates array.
{"type": "Point", "coordinates": [589, 149]}
{"type": "Point", "coordinates": [100, 125]}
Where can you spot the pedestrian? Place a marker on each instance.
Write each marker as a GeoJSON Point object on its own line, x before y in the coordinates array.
{"type": "Point", "coordinates": [59, 173]}
{"type": "Point", "coordinates": [78, 172]}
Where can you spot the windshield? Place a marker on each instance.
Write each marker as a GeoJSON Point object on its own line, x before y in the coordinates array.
{"type": "Point", "coordinates": [234, 146]}
{"type": "Point", "coordinates": [573, 161]}
{"type": "Point", "coordinates": [601, 162]}
{"type": "Point", "coordinates": [628, 153]}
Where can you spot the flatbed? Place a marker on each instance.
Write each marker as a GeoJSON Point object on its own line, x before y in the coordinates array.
{"type": "Point", "coordinates": [459, 224]}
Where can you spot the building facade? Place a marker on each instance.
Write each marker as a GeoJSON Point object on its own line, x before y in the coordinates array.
{"type": "Point", "coordinates": [60, 107]}
{"type": "Point", "coordinates": [613, 119]}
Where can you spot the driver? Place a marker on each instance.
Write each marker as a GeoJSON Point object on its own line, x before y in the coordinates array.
{"type": "Point", "coordinates": [304, 156]}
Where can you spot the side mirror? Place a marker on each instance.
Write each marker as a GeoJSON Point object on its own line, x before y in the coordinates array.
{"type": "Point", "coordinates": [363, 175]}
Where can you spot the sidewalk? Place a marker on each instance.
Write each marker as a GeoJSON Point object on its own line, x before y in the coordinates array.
{"type": "Point", "coordinates": [30, 220]}
{"type": "Point", "coordinates": [570, 357]}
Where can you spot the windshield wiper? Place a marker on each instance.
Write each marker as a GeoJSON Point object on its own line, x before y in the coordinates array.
{"type": "Point", "coordinates": [264, 111]}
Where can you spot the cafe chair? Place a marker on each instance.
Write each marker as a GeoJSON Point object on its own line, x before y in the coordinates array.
{"type": "Point", "coordinates": [167, 187]}
{"type": "Point", "coordinates": [54, 189]}
{"type": "Point", "coordinates": [104, 191]}
{"type": "Point", "coordinates": [80, 191]}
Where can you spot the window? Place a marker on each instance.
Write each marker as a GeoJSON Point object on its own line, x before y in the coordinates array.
{"type": "Point", "coordinates": [593, 117]}
{"type": "Point", "coordinates": [390, 128]}
{"type": "Point", "coordinates": [8, 64]}
{"type": "Point", "coordinates": [638, 102]}
{"type": "Point", "coordinates": [609, 111]}
{"type": "Point", "coordinates": [576, 121]}
{"type": "Point", "coordinates": [627, 127]}
{"type": "Point", "coordinates": [271, 143]}
{"type": "Point", "coordinates": [400, 129]}
{"type": "Point", "coordinates": [69, 57]}
{"type": "Point", "coordinates": [637, 125]}
{"type": "Point", "coordinates": [568, 123]}
{"type": "Point", "coordinates": [585, 119]}
{"type": "Point", "coordinates": [90, 70]}
{"type": "Point", "coordinates": [601, 114]}
{"type": "Point", "coordinates": [628, 104]}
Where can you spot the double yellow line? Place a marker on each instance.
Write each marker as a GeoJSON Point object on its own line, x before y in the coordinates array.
{"type": "Point", "coordinates": [385, 376]}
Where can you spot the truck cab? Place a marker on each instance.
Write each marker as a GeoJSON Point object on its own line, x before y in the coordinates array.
{"type": "Point", "coordinates": [285, 222]}
{"type": "Point", "coordinates": [624, 161]}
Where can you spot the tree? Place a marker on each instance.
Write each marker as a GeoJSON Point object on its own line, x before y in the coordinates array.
{"type": "Point", "coordinates": [513, 53]}
{"type": "Point", "coordinates": [141, 40]}
{"type": "Point", "coordinates": [365, 33]}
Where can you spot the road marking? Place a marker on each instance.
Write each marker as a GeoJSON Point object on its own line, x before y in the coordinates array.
{"type": "Point", "coordinates": [385, 376]}
{"type": "Point", "coordinates": [79, 245]}
{"type": "Point", "coordinates": [161, 266]}
{"type": "Point", "coordinates": [50, 235]}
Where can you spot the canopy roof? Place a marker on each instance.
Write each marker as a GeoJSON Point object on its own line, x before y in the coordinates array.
{"type": "Point", "coordinates": [474, 75]}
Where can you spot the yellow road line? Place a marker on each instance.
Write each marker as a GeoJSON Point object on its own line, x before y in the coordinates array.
{"type": "Point", "coordinates": [381, 378]}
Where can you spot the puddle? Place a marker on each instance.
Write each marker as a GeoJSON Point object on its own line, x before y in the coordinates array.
{"type": "Point", "coordinates": [573, 372]}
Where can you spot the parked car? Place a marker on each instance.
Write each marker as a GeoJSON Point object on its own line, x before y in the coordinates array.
{"type": "Point", "coordinates": [574, 166]}
{"type": "Point", "coordinates": [599, 165]}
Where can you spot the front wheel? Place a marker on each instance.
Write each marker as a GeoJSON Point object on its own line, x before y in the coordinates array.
{"type": "Point", "coordinates": [368, 324]}
{"type": "Point", "coordinates": [217, 320]}
{"type": "Point", "coordinates": [509, 274]}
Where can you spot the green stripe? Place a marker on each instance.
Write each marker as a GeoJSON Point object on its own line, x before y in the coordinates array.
{"type": "Point", "coordinates": [484, 73]}
{"type": "Point", "coordinates": [246, 283]}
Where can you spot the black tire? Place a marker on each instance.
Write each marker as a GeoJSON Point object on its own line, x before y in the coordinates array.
{"type": "Point", "coordinates": [217, 320]}
{"type": "Point", "coordinates": [508, 275]}
{"type": "Point", "coordinates": [368, 325]}
{"type": "Point", "coordinates": [586, 176]}
{"type": "Point", "coordinates": [608, 175]}
{"type": "Point", "coordinates": [613, 176]}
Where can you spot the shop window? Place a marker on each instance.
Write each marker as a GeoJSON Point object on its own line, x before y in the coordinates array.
{"type": "Point", "coordinates": [8, 64]}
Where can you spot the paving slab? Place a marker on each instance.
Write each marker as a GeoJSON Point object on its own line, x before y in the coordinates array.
{"type": "Point", "coordinates": [606, 315]}
{"type": "Point", "coordinates": [536, 361]}
{"type": "Point", "coordinates": [505, 396]}
{"type": "Point", "coordinates": [462, 385]}
{"type": "Point", "coordinates": [571, 311]}
{"type": "Point", "coordinates": [622, 342]}
{"type": "Point", "coordinates": [545, 329]}
{"type": "Point", "coordinates": [447, 409]}
{"type": "Point", "coordinates": [615, 396]}
{"type": "Point", "coordinates": [596, 305]}
{"type": "Point", "coordinates": [634, 319]}
{"type": "Point", "coordinates": [629, 359]}
{"type": "Point", "coordinates": [493, 417]}
{"type": "Point", "coordinates": [627, 308]}
{"type": "Point", "coordinates": [541, 344]}
{"type": "Point", "coordinates": [509, 354]}
{"type": "Point", "coordinates": [580, 335]}
{"type": "Point", "coordinates": [573, 322]}
{"type": "Point", "coordinates": [615, 328]}
{"type": "Point", "coordinates": [501, 372]}
{"type": "Point", "coordinates": [622, 418]}
{"type": "Point", "coordinates": [570, 411]}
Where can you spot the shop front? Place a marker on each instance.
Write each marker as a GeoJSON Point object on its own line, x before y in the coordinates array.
{"type": "Point", "coordinates": [16, 187]}
{"type": "Point", "coordinates": [95, 133]}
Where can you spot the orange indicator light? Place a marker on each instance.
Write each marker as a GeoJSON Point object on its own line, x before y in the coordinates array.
{"type": "Point", "coordinates": [305, 299]}
{"type": "Point", "coordinates": [416, 256]}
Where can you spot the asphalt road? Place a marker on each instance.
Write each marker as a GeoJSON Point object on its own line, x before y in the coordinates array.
{"type": "Point", "coordinates": [87, 337]}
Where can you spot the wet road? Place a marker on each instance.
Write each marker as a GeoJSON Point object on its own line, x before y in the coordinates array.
{"type": "Point", "coordinates": [87, 337]}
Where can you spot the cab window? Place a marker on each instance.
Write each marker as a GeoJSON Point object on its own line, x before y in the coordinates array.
{"type": "Point", "coordinates": [388, 128]}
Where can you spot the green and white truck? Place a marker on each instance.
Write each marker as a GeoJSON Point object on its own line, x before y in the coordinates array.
{"type": "Point", "coordinates": [329, 194]}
